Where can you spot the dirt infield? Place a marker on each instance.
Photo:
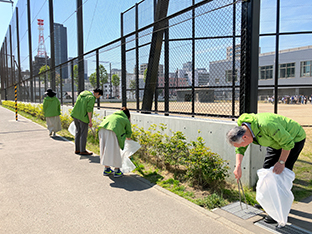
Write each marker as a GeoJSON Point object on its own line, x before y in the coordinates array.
{"type": "Point", "coordinates": [298, 112]}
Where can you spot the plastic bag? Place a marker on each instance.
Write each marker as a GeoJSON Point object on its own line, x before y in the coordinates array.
{"type": "Point", "coordinates": [130, 148]}
{"type": "Point", "coordinates": [274, 193]}
{"type": "Point", "coordinates": [72, 128]}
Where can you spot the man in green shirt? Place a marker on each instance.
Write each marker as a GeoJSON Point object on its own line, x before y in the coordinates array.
{"type": "Point", "coordinates": [283, 137]}
{"type": "Point", "coordinates": [82, 115]}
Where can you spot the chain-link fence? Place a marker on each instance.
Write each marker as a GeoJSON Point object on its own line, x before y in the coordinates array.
{"type": "Point", "coordinates": [196, 58]}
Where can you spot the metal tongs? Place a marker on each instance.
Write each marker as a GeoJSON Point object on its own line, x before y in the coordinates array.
{"type": "Point", "coordinates": [240, 188]}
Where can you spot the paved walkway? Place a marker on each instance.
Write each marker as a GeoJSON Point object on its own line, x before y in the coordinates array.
{"type": "Point", "coordinates": [46, 188]}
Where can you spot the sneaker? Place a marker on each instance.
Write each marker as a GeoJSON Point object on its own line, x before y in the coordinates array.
{"type": "Point", "coordinates": [107, 171]}
{"type": "Point", "coordinates": [118, 173]}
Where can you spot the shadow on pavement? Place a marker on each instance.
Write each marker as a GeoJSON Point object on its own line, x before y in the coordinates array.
{"type": "Point", "coordinates": [129, 183]}
{"type": "Point", "coordinates": [301, 214]}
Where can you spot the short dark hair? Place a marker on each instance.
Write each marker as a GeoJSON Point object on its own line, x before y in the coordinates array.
{"type": "Point", "coordinates": [97, 90]}
{"type": "Point", "coordinates": [126, 111]}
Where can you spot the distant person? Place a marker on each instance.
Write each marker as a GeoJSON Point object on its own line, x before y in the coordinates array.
{"type": "Point", "coordinates": [113, 131]}
{"type": "Point", "coordinates": [52, 112]}
{"type": "Point", "coordinates": [283, 137]}
{"type": "Point", "coordinates": [82, 115]}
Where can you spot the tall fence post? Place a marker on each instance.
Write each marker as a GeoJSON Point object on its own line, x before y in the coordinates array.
{"type": "Point", "coordinates": [249, 56]}
{"type": "Point", "coordinates": [154, 55]}
{"type": "Point", "coordinates": [123, 64]}
{"type": "Point", "coordinates": [30, 48]}
{"type": "Point", "coordinates": [193, 60]}
{"type": "Point", "coordinates": [18, 52]}
{"type": "Point", "coordinates": [11, 56]}
{"type": "Point", "coordinates": [98, 75]}
{"type": "Point", "coordinates": [276, 67]}
{"type": "Point", "coordinates": [52, 52]}
{"type": "Point", "coordinates": [80, 47]}
{"type": "Point", "coordinates": [137, 91]}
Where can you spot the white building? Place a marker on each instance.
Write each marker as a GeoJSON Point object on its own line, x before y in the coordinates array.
{"type": "Point", "coordinates": [294, 69]}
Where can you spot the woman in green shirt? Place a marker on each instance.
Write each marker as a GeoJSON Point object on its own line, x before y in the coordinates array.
{"type": "Point", "coordinates": [113, 131]}
{"type": "Point", "coordinates": [52, 111]}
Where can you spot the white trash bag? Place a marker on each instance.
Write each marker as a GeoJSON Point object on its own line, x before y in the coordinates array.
{"type": "Point", "coordinates": [72, 128]}
{"type": "Point", "coordinates": [274, 193]}
{"type": "Point", "coordinates": [130, 148]}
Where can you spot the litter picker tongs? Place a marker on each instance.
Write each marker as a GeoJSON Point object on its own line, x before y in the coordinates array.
{"type": "Point", "coordinates": [240, 188]}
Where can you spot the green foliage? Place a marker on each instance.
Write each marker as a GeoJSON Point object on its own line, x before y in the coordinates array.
{"type": "Point", "coordinates": [66, 120]}
{"type": "Point", "coordinates": [34, 110]}
{"type": "Point", "coordinates": [203, 167]}
{"type": "Point", "coordinates": [176, 187]}
{"type": "Point", "coordinates": [115, 82]}
{"type": "Point", "coordinates": [44, 73]}
{"type": "Point", "coordinates": [175, 149]}
{"type": "Point", "coordinates": [212, 201]}
{"type": "Point", "coordinates": [103, 77]}
{"type": "Point", "coordinates": [75, 71]}
{"type": "Point", "coordinates": [93, 133]}
{"type": "Point", "coordinates": [144, 75]}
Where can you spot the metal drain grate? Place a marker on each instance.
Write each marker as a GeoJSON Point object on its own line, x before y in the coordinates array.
{"type": "Point", "coordinates": [288, 229]}
{"type": "Point", "coordinates": [245, 213]}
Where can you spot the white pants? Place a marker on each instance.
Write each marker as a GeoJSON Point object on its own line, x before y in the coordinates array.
{"type": "Point", "coordinates": [109, 149]}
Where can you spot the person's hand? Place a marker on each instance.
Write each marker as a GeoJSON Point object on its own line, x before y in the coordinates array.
{"type": "Point", "coordinates": [278, 168]}
{"type": "Point", "coordinates": [90, 124]}
{"type": "Point", "coordinates": [128, 138]}
{"type": "Point", "coordinates": [238, 172]}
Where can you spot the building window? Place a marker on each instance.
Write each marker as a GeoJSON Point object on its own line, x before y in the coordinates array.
{"type": "Point", "coordinates": [266, 72]}
{"type": "Point", "coordinates": [305, 68]}
{"type": "Point", "coordinates": [217, 81]}
{"type": "Point", "coordinates": [286, 70]}
{"type": "Point", "coordinates": [229, 75]}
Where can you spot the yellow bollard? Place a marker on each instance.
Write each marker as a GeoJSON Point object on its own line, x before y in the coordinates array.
{"type": "Point", "coordinates": [16, 118]}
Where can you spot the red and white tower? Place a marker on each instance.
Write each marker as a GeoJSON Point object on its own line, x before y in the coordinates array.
{"type": "Point", "coordinates": [41, 47]}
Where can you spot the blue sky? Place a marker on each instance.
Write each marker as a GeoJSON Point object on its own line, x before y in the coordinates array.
{"type": "Point", "coordinates": [102, 25]}
{"type": "Point", "coordinates": [5, 17]}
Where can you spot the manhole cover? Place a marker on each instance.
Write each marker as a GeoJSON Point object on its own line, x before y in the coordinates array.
{"type": "Point", "coordinates": [242, 210]}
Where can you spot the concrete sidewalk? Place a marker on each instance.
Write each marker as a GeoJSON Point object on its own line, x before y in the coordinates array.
{"type": "Point", "coordinates": [46, 188]}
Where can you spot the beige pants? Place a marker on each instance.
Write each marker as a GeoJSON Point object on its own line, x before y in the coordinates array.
{"type": "Point", "coordinates": [54, 123]}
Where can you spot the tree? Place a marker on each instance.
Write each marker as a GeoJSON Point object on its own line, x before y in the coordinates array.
{"type": "Point", "coordinates": [144, 75]}
{"type": "Point", "coordinates": [102, 79]}
{"type": "Point", "coordinates": [75, 75]}
{"type": "Point", "coordinates": [44, 73]}
{"type": "Point", "coordinates": [115, 82]}
{"type": "Point", "coordinates": [132, 86]}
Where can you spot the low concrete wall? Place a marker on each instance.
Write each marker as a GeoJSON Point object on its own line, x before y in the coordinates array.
{"type": "Point", "coordinates": [212, 131]}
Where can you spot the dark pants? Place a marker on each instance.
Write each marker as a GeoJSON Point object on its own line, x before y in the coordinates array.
{"type": "Point", "coordinates": [81, 135]}
{"type": "Point", "coordinates": [272, 156]}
